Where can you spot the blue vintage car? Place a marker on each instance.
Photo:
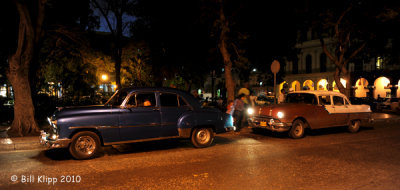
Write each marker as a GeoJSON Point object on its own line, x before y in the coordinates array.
{"type": "Point", "coordinates": [131, 115]}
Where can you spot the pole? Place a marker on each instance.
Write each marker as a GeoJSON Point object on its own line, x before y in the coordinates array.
{"type": "Point", "coordinates": [275, 88]}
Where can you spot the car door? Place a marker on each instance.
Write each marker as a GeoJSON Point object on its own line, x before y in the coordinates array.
{"type": "Point", "coordinates": [341, 110]}
{"type": "Point", "coordinates": [172, 108]}
{"type": "Point", "coordinates": [140, 117]}
{"type": "Point", "coordinates": [323, 117]}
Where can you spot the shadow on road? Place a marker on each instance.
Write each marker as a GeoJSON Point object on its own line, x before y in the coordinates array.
{"type": "Point", "coordinates": [57, 154]}
{"type": "Point", "coordinates": [308, 132]}
{"type": "Point", "coordinates": [63, 154]}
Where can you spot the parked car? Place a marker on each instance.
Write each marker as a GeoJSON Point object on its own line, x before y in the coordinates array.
{"type": "Point", "coordinates": [372, 102]}
{"type": "Point", "coordinates": [389, 103]}
{"type": "Point", "coordinates": [131, 115]}
{"type": "Point", "coordinates": [264, 100]}
{"type": "Point", "coordinates": [310, 109]}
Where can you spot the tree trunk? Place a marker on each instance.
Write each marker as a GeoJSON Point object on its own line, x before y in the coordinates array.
{"type": "Point", "coordinates": [24, 122]}
{"type": "Point", "coordinates": [230, 85]}
{"type": "Point", "coordinates": [24, 112]}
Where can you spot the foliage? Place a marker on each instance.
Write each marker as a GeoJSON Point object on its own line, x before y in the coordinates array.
{"type": "Point", "coordinates": [117, 14]}
{"type": "Point", "coordinates": [63, 62]}
{"type": "Point", "coordinates": [135, 68]}
{"type": "Point", "coordinates": [178, 43]}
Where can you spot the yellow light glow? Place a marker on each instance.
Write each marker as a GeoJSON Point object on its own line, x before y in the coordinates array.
{"type": "Point", "coordinates": [343, 81]}
{"type": "Point", "coordinates": [380, 87]}
{"type": "Point", "coordinates": [104, 77]}
{"type": "Point", "coordinates": [322, 84]}
{"type": "Point", "coordinates": [309, 84]}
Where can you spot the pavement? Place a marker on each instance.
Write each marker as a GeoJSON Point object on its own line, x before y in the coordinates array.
{"type": "Point", "coordinates": [32, 142]}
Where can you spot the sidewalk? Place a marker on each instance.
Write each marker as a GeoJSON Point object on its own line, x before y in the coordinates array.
{"type": "Point", "coordinates": [32, 143]}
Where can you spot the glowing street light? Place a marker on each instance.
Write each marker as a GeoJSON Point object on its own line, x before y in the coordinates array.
{"type": "Point", "coordinates": [104, 77]}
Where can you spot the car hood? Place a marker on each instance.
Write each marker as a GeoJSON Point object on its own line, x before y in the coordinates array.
{"type": "Point", "coordinates": [271, 109]}
{"type": "Point", "coordinates": [79, 110]}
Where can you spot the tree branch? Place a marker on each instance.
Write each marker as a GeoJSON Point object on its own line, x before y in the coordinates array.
{"type": "Point", "coordinates": [338, 23]}
{"type": "Point", "coordinates": [105, 16]}
{"type": "Point", "coordinates": [330, 56]}
{"type": "Point", "coordinates": [40, 19]}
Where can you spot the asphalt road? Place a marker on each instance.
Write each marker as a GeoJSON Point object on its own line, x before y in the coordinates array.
{"type": "Point", "coordinates": [324, 159]}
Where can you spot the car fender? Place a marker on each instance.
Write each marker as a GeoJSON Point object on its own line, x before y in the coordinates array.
{"type": "Point", "coordinates": [185, 124]}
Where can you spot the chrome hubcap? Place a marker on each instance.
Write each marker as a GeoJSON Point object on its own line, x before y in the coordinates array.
{"type": "Point", "coordinates": [298, 130]}
{"type": "Point", "coordinates": [203, 136]}
{"type": "Point", "coordinates": [85, 144]}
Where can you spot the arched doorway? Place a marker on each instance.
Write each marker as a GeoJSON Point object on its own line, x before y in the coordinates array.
{"type": "Point", "coordinates": [398, 90]}
{"type": "Point", "coordinates": [335, 88]}
{"type": "Point", "coordinates": [295, 85]}
{"type": "Point", "coordinates": [361, 88]}
{"type": "Point", "coordinates": [380, 87]}
{"type": "Point", "coordinates": [283, 85]}
{"type": "Point", "coordinates": [308, 85]}
{"type": "Point", "coordinates": [322, 84]}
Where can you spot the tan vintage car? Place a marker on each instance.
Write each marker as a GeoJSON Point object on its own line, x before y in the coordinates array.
{"type": "Point", "coordinates": [309, 109]}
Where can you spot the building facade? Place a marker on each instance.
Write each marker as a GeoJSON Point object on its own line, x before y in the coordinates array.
{"type": "Point", "coordinates": [313, 70]}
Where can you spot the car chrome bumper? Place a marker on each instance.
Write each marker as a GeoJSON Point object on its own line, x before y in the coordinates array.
{"type": "Point", "coordinates": [268, 123]}
{"type": "Point", "coordinates": [52, 141]}
{"type": "Point", "coordinates": [230, 128]}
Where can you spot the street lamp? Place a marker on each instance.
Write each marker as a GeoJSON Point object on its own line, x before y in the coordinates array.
{"type": "Point", "coordinates": [104, 78]}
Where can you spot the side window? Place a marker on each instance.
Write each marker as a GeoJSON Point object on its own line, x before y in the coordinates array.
{"type": "Point", "coordinates": [142, 100]}
{"type": "Point", "coordinates": [182, 102]}
{"type": "Point", "coordinates": [338, 101]}
{"type": "Point", "coordinates": [346, 102]}
{"type": "Point", "coordinates": [169, 100]}
{"type": "Point", "coordinates": [132, 101]}
{"type": "Point", "coordinates": [146, 99]}
{"type": "Point", "coordinates": [324, 100]}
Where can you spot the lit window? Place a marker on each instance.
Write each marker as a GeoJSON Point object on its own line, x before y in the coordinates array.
{"type": "Point", "coordinates": [3, 91]}
{"type": "Point", "coordinates": [379, 62]}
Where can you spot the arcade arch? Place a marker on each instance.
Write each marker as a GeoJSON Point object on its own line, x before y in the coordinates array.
{"type": "Point", "coordinates": [381, 89]}
{"type": "Point", "coordinates": [361, 89]}
{"type": "Point", "coordinates": [322, 84]}
{"type": "Point", "coordinates": [308, 85]}
{"type": "Point", "coordinates": [335, 88]}
{"type": "Point", "coordinates": [295, 85]}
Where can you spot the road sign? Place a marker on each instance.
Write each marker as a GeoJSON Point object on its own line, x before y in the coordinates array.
{"type": "Point", "coordinates": [275, 66]}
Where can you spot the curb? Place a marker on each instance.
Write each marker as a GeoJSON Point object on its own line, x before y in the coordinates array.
{"type": "Point", "coordinates": [20, 143]}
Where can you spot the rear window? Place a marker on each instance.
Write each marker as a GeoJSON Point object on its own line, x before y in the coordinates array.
{"type": "Point", "coordinates": [301, 98]}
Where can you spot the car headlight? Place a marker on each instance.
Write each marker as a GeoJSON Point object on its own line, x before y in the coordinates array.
{"type": "Point", "coordinates": [250, 111]}
{"type": "Point", "coordinates": [280, 115]}
{"type": "Point", "coordinates": [52, 123]}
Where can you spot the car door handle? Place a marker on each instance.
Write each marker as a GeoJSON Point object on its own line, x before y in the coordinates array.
{"type": "Point", "coordinates": [156, 109]}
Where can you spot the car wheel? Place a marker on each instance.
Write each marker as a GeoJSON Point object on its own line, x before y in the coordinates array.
{"type": "Point", "coordinates": [202, 137]}
{"type": "Point", "coordinates": [297, 129]}
{"type": "Point", "coordinates": [84, 145]}
{"type": "Point", "coordinates": [354, 126]}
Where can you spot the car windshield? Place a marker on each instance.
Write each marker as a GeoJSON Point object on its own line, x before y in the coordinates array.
{"type": "Point", "coordinates": [301, 98]}
{"type": "Point", "coordinates": [117, 98]}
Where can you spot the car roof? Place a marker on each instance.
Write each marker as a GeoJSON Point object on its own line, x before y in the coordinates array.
{"type": "Point", "coordinates": [319, 92]}
{"type": "Point", "coordinates": [163, 89]}
{"type": "Point", "coordinates": [189, 97]}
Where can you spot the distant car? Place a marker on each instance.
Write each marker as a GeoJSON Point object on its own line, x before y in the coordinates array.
{"type": "Point", "coordinates": [389, 103]}
{"type": "Point", "coordinates": [310, 109]}
{"type": "Point", "coordinates": [264, 100]}
{"type": "Point", "coordinates": [131, 115]}
{"type": "Point", "coordinates": [372, 102]}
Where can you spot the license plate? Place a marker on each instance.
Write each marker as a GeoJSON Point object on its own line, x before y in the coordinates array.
{"type": "Point", "coordinates": [263, 123]}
